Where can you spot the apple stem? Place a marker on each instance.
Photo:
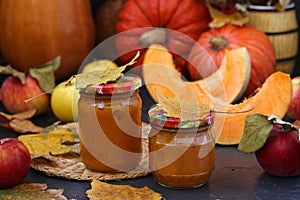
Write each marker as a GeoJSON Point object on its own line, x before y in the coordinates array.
{"type": "Point", "coordinates": [37, 96]}
{"type": "Point", "coordinates": [49, 91]}
{"type": "Point", "coordinates": [69, 81]}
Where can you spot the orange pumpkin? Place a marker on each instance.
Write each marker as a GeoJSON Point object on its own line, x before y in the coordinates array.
{"type": "Point", "coordinates": [189, 18]}
{"type": "Point", "coordinates": [217, 40]}
{"type": "Point", "coordinates": [35, 32]}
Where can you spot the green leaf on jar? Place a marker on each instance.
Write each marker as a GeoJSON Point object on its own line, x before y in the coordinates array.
{"type": "Point", "coordinates": [256, 132]}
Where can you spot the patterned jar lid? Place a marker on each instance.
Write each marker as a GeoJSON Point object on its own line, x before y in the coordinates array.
{"type": "Point", "coordinates": [124, 84]}
{"type": "Point", "coordinates": [159, 117]}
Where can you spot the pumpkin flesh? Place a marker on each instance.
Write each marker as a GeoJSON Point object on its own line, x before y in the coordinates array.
{"type": "Point", "coordinates": [272, 98]}
{"type": "Point", "coordinates": [159, 73]}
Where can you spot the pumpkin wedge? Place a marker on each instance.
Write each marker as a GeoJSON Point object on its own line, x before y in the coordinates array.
{"type": "Point", "coordinates": [228, 83]}
{"type": "Point", "coordinates": [272, 98]}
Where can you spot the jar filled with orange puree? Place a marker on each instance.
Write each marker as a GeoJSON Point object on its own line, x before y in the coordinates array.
{"type": "Point", "coordinates": [109, 118]}
{"type": "Point", "coordinates": [181, 153]}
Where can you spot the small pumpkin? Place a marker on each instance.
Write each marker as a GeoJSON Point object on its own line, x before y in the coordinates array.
{"type": "Point", "coordinates": [273, 97]}
{"type": "Point", "coordinates": [217, 40]}
{"type": "Point", "coordinates": [35, 32]}
{"type": "Point", "coordinates": [187, 20]}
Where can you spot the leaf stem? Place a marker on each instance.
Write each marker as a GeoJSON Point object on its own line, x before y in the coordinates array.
{"type": "Point", "coordinates": [235, 112]}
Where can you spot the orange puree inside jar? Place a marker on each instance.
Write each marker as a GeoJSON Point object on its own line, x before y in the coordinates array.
{"type": "Point", "coordinates": [110, 127]}
{"type": "Point", "coordinates": [181, 157]}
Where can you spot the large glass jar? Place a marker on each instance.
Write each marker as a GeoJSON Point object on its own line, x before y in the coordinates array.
{"type": "Point", "coordinates": [110, 121]}
{"type": "Point", "coordinates": [182, 154]}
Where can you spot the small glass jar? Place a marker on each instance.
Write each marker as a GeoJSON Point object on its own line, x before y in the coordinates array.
{"type": "Point", "coordinates": [110, 121]}
{"type": "Point", "coordinates": [181, 153]}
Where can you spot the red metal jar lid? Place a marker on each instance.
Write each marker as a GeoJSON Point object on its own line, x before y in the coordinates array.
{"type": "Point", "coordinates": [123, 85]}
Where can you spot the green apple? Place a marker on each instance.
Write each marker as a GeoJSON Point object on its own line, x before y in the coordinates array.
{"type": "Point", "coordinates": [64, 101]}
{"type": "Point", "coordinates": [99, 65]}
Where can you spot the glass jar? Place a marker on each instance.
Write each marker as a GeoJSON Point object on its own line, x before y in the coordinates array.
{"type": "Point", "coordinates": [182, 154]}
{"type": "Point", "coordinates": [110, 121]}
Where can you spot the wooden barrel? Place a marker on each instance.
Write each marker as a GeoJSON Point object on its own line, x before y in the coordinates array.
{"type": "Point", "coordinates": [282, 29]}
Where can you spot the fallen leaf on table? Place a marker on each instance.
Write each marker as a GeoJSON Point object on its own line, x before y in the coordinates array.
{"type": "Point", "coordinates": [105, 191]}
{"type": "Point", "coordinates": [20, 122]}
{"type": "Point", "coordinates": [71, 126]}
{"type": "Point", "coordinates": [31, 191]}
{"type": "Point", "coordinates": [24, 126]}
{"type": "Point", "coordinates": [52, 143]}
{"type": "Point", "coordinates": [22, 115]}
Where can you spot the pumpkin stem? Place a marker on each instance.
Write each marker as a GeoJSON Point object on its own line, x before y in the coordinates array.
{"type": "Point", "coordinates": [218, 43]}
{"type": "Point", "coordinates": [154, 36]}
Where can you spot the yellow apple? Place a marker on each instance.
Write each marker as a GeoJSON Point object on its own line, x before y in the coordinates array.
{"type": "Point", "coordinates": [99, 65]}
{"type": "Point", "coordinates": [64, 100]}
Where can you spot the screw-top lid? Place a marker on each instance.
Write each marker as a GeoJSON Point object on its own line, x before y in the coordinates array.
{"type": "Point", "coordinates": [123, 85]}
{"type": "Point", "coordinates": [158, 116]}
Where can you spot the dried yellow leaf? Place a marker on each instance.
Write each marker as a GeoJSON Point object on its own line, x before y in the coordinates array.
{"type": "Point", "coordinates": [102, 77]}
{"type": "Point", "coordinates": [32, 191]}
{"type": "Point", "coordinates": [54, 143]}
{"type": "Point", "coordinates": [220, 19]}
{"type": "Point", "coordinates": [24, 126]}
{"type": "Point", "coordinates": [106, 191]}
{"type": "Point", "coordinates": [183, 109]}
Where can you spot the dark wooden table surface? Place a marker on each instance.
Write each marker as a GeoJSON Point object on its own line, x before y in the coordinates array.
{"type": "Point", "coordinates": [236, 176]}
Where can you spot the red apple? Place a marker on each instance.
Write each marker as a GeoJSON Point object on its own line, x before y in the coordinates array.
{"type": "Point", "coordinates": [294, 107]}
{"type": "Point", "coordinates": [280, 155]}
{"type": "Point", "coordinates": [15, 162]}
{"type": "Point", "coordinates": [14, 93]}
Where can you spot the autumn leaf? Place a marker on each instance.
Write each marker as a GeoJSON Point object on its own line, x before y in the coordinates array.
{"type": "Point", "coordinates": [24, 126]}
{"type": "Point", "coordinates": [9, 70]}
{"type": "Point", "coordinates": [31, 191]}
{"type": "Point", "coordinates": [52, 143]}
{"type": "Point", "coordinates": [102, 77]}
{"type": "Point", "coordinates": [256, 131]}
{"type": "Point", "coordinates": [21, 115]}
{"type": "Point", "coordinates": [183, 109]}
{"type": "Point", "coordinates": [220, 18]}
{"type": "Point", "coordinates": [106, 191]}
{"type": "Point", "coordinates": [20, 122]}
{"type": "Point", "coordinates": [44, 74]}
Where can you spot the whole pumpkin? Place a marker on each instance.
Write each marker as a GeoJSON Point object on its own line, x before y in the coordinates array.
{"type": "Point", "coordinates": [216, 41]}
{"type": "Point", "coordinates": [150, 22]}
{"type": "Point", "coordinates": [35, 32]}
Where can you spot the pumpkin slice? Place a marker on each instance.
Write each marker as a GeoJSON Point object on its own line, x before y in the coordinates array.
{"type": "Point", "coordinates": [272, 98]}
{"type": "Point", "coordinates": [228, 83]}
